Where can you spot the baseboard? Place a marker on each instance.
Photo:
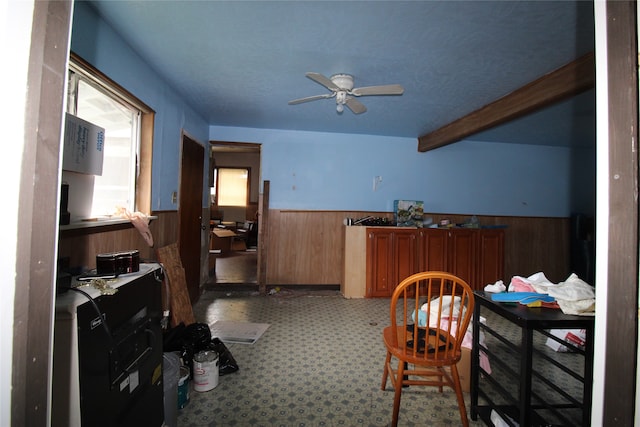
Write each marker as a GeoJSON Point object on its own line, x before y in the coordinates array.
{"type": "Point", "coordinates": [307, 287]}
{"type": "Point", "coordinates": [242, 287]}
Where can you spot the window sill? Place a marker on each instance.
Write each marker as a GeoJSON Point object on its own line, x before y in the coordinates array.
{"type": "Point", "coordinates": [98, 225]}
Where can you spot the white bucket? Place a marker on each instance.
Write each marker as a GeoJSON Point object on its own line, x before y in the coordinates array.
{"type": "Point", "coordinates": [205, 370]}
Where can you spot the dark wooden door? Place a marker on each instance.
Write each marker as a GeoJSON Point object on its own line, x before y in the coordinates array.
{"type": "Point", "coordinates": [190, 213]}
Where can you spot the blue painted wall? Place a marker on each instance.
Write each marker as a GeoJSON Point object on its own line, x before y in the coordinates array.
{"type": "Point", "coordinates": [312, 170]}
{"type": "Point", "coordinates": [328, 171]}
{"type": "Point", "coordinates": [96, 42]}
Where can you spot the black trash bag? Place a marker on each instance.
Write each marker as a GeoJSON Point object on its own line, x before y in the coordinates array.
{"type": "Point", "coordinates": [171, 338]}
{"type": "Point", "coordinates": [197, 334]}
{"type": "Point", "coordinates": [227, 364]}
{"type": "Point", "coordinates": [187, 340]}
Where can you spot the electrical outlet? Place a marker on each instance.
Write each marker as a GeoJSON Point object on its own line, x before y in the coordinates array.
{"type": "Point", "coordinates": [376, 182]}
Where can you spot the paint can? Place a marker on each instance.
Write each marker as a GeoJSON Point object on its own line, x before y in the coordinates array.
{"type": "Point", "coordinates": [205, 370]}
{"type": "Point", "coordinates": [183, 387]}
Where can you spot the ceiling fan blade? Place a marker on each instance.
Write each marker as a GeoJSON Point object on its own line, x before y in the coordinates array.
{"type": "Point", "coordinates": [311, 98]}
{"type": "Point", "coordinates": [378, 90]}
{"type": "Point", "coordinates": [324, 81]}
{"type": "Point", "coordinates": [356, 106]}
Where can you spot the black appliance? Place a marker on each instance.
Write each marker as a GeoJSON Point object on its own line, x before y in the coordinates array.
{"type": "Point", "coordinates": [108, 354]}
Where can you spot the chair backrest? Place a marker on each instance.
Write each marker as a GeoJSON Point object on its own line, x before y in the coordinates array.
{"type": "Point", "coordinates": [430, 313]}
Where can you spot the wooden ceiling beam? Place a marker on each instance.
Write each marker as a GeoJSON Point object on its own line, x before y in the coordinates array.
{"type": "Point", "coordinates": [563, 83]}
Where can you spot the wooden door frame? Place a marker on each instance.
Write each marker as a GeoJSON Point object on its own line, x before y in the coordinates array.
{"type": "Point", "coordinates": [263, 206]}
{"type": "Point", "coordinates": [621, 276]}
{"type": "Point", "coordinates": [263, 236]}
{"type": "Point", "coordinates": [30, 357]}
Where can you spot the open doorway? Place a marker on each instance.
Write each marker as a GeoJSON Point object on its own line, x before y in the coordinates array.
{"type": "Point", "coordinates": [234, 214]}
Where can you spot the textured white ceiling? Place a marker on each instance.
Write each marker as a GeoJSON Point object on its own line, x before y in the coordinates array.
{"type": "Point", "coordinates": [240, 62]}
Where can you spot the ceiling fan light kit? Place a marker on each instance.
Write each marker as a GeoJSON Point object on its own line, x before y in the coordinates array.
{"type": "Point", "coordinates": [341, 87]}
{"type": "Point", "coordinates": [343, 81]}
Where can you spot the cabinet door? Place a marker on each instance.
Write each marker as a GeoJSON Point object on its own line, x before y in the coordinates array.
{"type": "Point", "coordinates": [405, 252]}
{"type": "Point", "coordinates": [391, 258]}
{"type": "Point", "coordinates": [463, 254]}
{"type": "Point", "coordinates": [433, 249]}
{"type": "Point", "coordinates": [379, 263]}
{"type": "Point", "coordinates": [491, 257]}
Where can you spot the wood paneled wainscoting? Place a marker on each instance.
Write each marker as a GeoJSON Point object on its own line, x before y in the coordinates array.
{"type": "Point", "coordinates": [307, 247]}
{"type": "Point", "coordinates": [82, 245]}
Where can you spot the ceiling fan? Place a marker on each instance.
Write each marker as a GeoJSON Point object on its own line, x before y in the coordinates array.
{"type": "Point", "coordinates": [341, 87]}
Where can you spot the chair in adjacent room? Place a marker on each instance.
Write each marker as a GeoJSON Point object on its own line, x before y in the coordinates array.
{"type": "Point", "coordinates": [430, 312]}
{"type": "Point", "coordinates": [247, 232]}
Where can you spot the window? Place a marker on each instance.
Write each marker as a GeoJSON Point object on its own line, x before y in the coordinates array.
{"type": "Point", "coordinates": [128, 124]}
{"type": "Point", "coordinates": [231, 185]}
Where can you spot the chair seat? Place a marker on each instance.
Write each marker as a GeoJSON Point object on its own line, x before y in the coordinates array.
{"type": "Point", "coordinates": [401, 351]}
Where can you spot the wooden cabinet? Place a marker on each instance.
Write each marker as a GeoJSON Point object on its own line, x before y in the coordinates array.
{"type": "Point", "coordinates": [474, 255]}
{"type": "Point", "coordinates": [491, 257]}
{"type": "Point", "coordinates": [451, 250]}
{"type": "Point", "coordinates": [434, 247]}
{"type": "Point", "coordinates": [391, 257]}
{"type": "Point", "coordinates": [376, 259]}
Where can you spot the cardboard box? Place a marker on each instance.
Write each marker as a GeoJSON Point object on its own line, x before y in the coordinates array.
{"type": "Point", "coordinates": [464, 369]}
{"type": "Point", "coordinates": [83, 146]}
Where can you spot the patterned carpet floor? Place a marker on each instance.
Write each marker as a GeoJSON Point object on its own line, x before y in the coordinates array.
{"type": "Point", "coordinates": [318, 364]}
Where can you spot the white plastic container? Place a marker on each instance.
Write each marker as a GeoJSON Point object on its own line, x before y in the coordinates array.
{"type": "Point", "coordinates": [205, 370]}
{"type": "Point", "coordinates": [171, 367]}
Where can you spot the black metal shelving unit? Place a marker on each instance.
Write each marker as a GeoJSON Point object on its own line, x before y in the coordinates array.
{"type": "Point", "coordinates": [516, 388]}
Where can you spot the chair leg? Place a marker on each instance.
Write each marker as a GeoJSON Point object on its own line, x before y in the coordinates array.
{"type": "Point", "coordinates": [459, 395]}
{"type": "Point", "coordinates": [385, 372]}
{"type": "Point", "coordinates": [398, 393]}
{"type": "Point", "coordinates": [405, 377]}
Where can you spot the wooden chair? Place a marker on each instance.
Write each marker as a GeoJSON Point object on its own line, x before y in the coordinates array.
{"type": "Point", "coordinates": [247, 231]}
{"type": "Point", "coordinates": [431, 342]}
